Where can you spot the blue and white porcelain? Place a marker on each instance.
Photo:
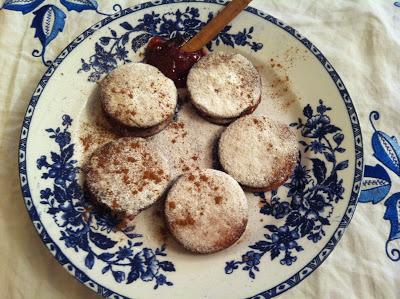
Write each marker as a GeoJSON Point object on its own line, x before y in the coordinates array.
{"type": "Point", "coordinates": [291, 230]}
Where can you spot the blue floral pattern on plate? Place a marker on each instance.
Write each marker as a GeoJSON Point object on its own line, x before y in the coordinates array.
{"type": "Point", "coordinates": [310, 198]}
{"type": "Point", "coordinates": [86, 229]}
{"type": "Point", "coordinates": [112, 49]}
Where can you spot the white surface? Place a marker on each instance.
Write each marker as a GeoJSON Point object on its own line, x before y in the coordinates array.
{"type": "Point", "coordinates": [360, 38]}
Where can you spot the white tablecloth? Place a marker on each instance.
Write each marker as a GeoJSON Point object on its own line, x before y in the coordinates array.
{"type": "Point", "coordinates": [360, 38]}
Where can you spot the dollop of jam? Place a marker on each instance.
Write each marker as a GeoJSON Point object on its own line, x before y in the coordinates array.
{"type": "Point", "coordinates": [167, 56]}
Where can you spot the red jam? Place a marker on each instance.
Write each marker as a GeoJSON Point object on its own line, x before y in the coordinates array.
{"type": "Point", "coordinates": [167, 56]}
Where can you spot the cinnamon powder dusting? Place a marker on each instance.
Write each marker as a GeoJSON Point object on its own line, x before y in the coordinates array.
{"type": "Point", "coordinates": [188, 220]}
{"type": "Point", "coordinates": [125, 179]}
{"type": "Point", "coordinates": [131, 159]}
{"type": "Point", "coordinates": [94, 136]}
{"type": "Point", "coordinates": [178, 131]}
{"type": "Point", "coordinates": [177, 125]}
{"type": "Point", "coordinates": [218, 199]}
{"type": "Point", "coordinates": [115, 205]}
{"type": "Point", "coordinates": [187, 142]}
{"type": "Point", "coordinates": [203, 178]}
{"type": "Point", "coordinates": [276, 87]}
{"type": "Point", "coordinates": [134, 145]}
{"type": "Point", "coordinates": [86, 142]}
{"type": "Point", "coordinates": [151, 175]}
{"type": "Point", "coordinates": [275, 79]}
{"type": "Point", "coordinates": [109, 172]}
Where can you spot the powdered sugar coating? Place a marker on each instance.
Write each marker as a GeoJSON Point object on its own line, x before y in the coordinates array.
{"type": "Point", "coordinates": [206, 211]}
{"type": "Point", "coordinates": [138, 95]}
{"type": "Point", "coordinates": [258, 152]}
{"type": "Point", "coordinates": [126, 175]}
{"type": "Point", "coordinates": [188, 142]}
{"type": "Point", "coordinates": [224, 85]}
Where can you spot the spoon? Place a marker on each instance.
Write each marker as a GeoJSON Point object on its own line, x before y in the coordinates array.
{"type": "Point", "coordinates": [215, 26]}
{"type": "Point", "coordinates": [175, 57]}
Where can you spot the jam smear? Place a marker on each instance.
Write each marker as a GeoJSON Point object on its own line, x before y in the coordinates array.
{"type": "Point", "coordinates": [167, 56]}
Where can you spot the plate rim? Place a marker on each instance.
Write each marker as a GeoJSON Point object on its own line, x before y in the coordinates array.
{"type": "Point", "coordinates": [272, 292]}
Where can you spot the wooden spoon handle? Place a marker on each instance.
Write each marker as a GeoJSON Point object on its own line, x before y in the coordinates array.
{"type": "Point", "coordinates": [215, 26]}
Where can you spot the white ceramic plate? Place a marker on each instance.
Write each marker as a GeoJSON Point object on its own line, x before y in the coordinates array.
{"type": "Point", "coordinates": [290, 232]}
